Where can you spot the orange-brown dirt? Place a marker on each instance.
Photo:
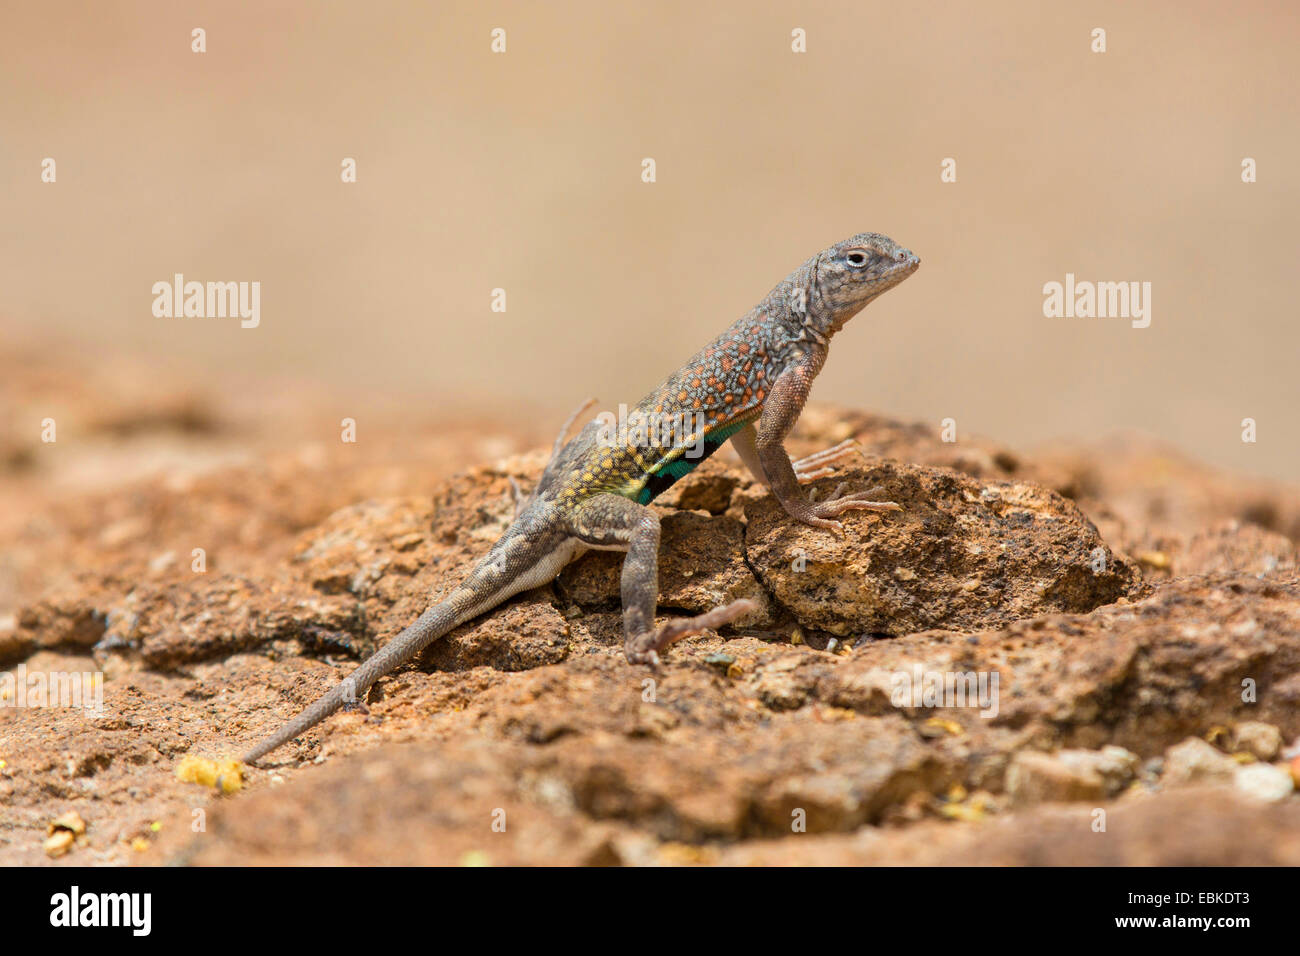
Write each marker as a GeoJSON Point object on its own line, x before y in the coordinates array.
{"type": "Point", "coordinates": [1141, 614]}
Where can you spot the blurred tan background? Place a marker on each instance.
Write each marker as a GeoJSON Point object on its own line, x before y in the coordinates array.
{"type": "Point", "coordinates": [522, 171]}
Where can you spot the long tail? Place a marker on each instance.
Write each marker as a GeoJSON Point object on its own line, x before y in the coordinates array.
{"type": "Point", "coordinates": [518, 561]}
{"type": "Point", "coordinates": [431, 625]}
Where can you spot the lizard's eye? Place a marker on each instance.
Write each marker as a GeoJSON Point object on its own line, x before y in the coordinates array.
{"type": "Point", "coordinates": [857, 259]}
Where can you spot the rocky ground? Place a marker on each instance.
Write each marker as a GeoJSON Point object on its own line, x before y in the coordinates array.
{"type": "Point", "coordinates": [1134, 619]}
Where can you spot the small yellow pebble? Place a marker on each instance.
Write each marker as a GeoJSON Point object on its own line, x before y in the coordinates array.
{"type": "Point", "coordinates": [59, 843]}
{"type": "Point", "coordinates": [139, 844]}
{"type": "Point", "coordinates": [226, 775]}
{"type": "Point", "coordinates": [942, 723]}
{"type": "Point", "coordinates": [829, 713]}
{"type": "Point", "coordinates": [155, 826]}
{"type": "Point", "coordinates": [70, 821]}
{"type": "Point", "coordinates": [966, 812]}
{"type": "Point", "coordinates": [1155, 559]}
{"type": "Point", "coordinates": [969, 809]}
{"type": "Point", "coordinates": [683, 854]}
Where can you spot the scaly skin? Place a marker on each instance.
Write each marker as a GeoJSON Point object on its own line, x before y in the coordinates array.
{"type": "Point", "coordinates": [748, 386]}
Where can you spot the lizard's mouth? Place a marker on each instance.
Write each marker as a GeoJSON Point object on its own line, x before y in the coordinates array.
{"type": "Point", "coordinates": [898, 273]}
{"type": "Point", "coordinates": [907, 267]}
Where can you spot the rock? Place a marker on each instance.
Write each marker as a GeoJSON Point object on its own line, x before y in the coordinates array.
{"type": "Point", "coordinates": [1195, 761]}
{"type": "Point", "coordinates": [1114, 765]}
{"type": "Point", "coordinates": [69, 616]}
{"type": "Point", "coordinates": [782, 685]}
{"type": "Point", "coordinates": [961, 555]}
{"type": "Point", "coordinates": [1034, 777]}
{"type": "Point", "coordinates": [174, 626]}
{"type": "Point", "coordinates": [1142, 675]}
{"type": "Point", "coordinates": [701, 565]}
{"type": "Point", "coordinates": [316, 554]}
{"type": "Point", "coordinates": [1193, 826]}
{"type": "Point", "coordinates": [1261, 740]}
{"type": "Point", "coordinates": [1238, 546]}
{"type": "Point", "coordinates": [1264, 781]}
{"type": "Point", "coordinates": [525, 634]}
{"type": "Point", "coordinates": [1145, 490]}
{"type": "Point", "coordinates": [710, 487]}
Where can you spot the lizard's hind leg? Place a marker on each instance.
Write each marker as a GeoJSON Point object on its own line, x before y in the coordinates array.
{"type": "Point", "coordinates": [522, 499]}
{"type": "Point", "coordinates": [568, 424]}
{"type": "Point", "coordinates": [611, 521]}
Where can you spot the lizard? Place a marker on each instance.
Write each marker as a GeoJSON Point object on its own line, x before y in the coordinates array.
{"type": "Point", "coordinates": [748, 386]}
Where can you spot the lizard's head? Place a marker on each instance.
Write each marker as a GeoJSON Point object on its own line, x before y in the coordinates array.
{"type": "Point", "coordinates": [851, 273]}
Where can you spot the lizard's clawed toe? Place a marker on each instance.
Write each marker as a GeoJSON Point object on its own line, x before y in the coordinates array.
{"type": "Point", "coordinates": [818, 464]}
{"type": "Point", "coordinates": [821, 514]}
{"type": "Point", "coordinates": [809, 476]}
{"type": "Point", "coordinates": [638, 654]}
{"type": "Point", "coordinates": [644, 648]}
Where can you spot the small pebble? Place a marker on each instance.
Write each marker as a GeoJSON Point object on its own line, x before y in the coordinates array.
{"type": "Point", "coordinates": [1263, 781]}
{"type": "Point", "coordinates": [59, 843]}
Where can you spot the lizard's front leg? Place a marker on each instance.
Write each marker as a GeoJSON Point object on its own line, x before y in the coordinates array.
{"type": "Point", "coordinates": [780, 412]}
{"type": "Point", "coordinates": [611, 521]}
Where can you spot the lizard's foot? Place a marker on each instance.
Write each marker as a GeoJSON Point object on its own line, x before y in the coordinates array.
{"type": "Point", "coordinates": [645, 648]}
{"type": "Point", "coordinates": [821, 514]}
{"type": "Point", "coordinates": [819, 464]}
